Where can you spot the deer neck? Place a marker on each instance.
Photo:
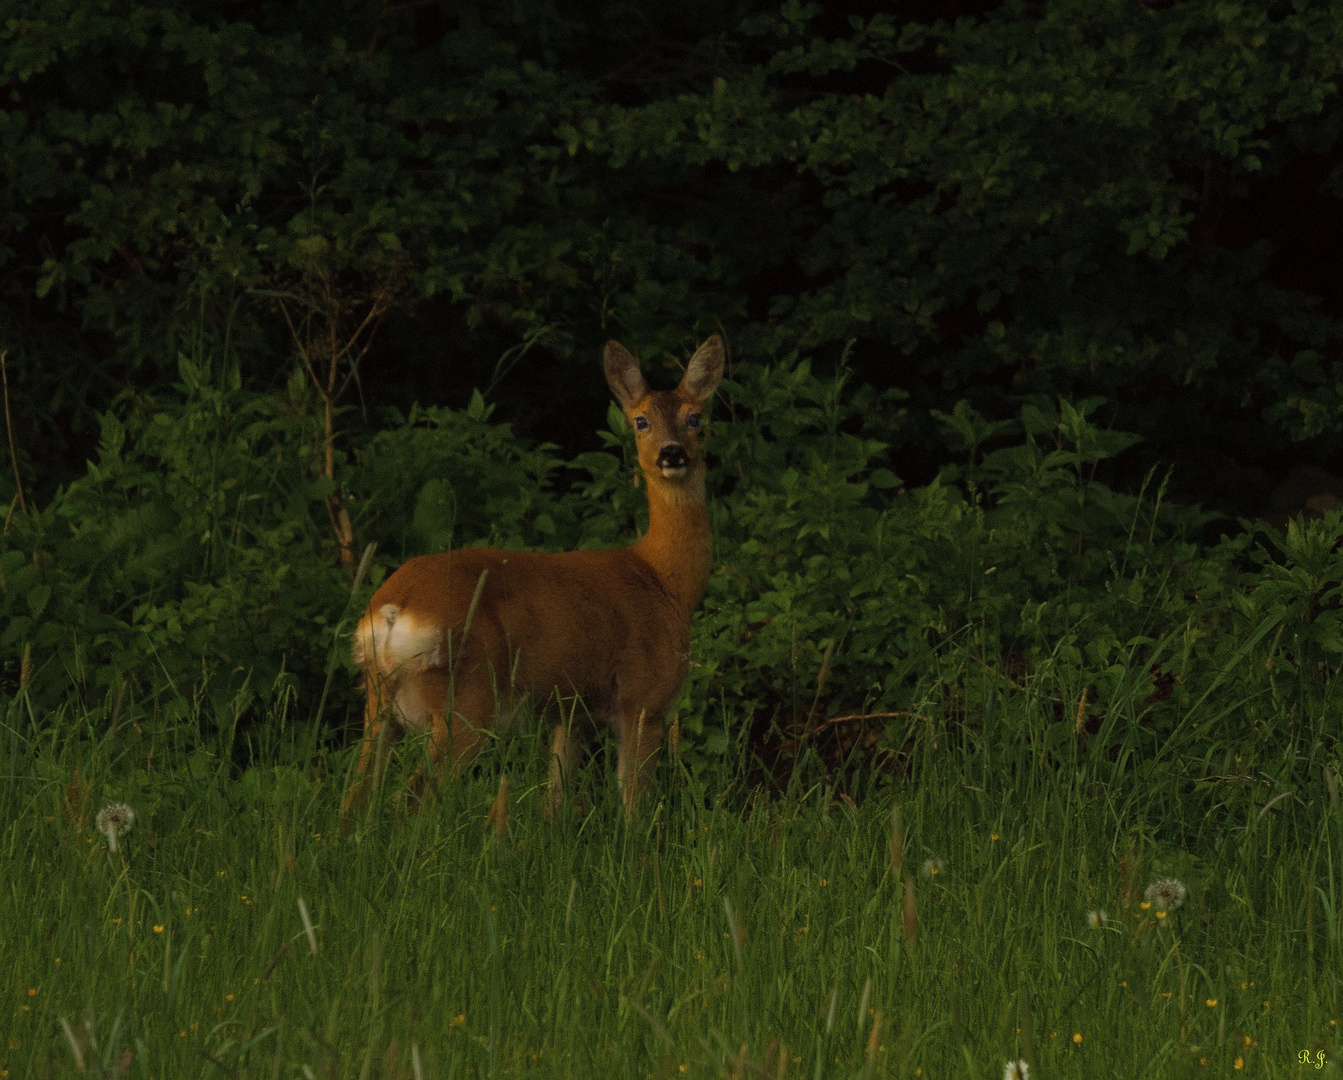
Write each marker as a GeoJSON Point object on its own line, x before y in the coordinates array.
{"type": "Point", "coordinates": [679, 544]}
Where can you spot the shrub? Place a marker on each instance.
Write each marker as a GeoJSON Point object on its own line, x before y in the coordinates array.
{"type": "Point", "coordinates": [194, 562]}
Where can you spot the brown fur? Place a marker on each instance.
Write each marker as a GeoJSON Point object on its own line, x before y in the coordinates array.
{"type": "Point", "coordinates": [450, 640]}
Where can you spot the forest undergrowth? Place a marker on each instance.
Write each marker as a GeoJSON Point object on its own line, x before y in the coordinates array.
{"type": "Point", "coordinates": [1011, 767]}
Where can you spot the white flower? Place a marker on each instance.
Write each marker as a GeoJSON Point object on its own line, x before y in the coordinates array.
{"type": "Point", "coordinates": [114, 820]}
{"type": "Point", "coordinates": [933, 867]}
{"type": "Point", "coordinates": [1097, 919]}
{"type": "Point", "coordinates": [1017, 1070]}
{"type": "Point", "coordinates": [1165, 893]}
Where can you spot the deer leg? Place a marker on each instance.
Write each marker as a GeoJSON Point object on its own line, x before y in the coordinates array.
{"type": "Point", "coordinates": [378, 735]}
{"type": "Point", "coordinates": [455, 737]}
{"type": "Point", "coordinates": [566, 750]}
{"type": "Point", "coordinates": [472, 719]}
{"type": "Point", "coordinates": [431, 704]}
{"type": "Point", "coordinates": [424, 783]}
{"type": "Point", "coordinates": [640, 740]}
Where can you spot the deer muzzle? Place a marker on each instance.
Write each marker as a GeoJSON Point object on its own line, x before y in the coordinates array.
{"type": "Point", "coordinates": [673, 461]}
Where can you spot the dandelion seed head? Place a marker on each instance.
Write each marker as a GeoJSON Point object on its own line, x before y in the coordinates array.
{"type": "Point", "coordinates": [1166, 893]}
{"type": "Point", "coordinates": [114, 821]}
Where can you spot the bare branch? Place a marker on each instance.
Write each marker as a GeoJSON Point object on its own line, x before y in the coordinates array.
{"type": "Point", "coordinates": [298, 344]}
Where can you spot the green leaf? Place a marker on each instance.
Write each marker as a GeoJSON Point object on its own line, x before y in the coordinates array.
{"type": "Point", "coordinates": [37, 599]}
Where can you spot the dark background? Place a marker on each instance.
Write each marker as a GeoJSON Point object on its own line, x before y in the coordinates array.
{"type": "Point", "coordinates": [968, 200]}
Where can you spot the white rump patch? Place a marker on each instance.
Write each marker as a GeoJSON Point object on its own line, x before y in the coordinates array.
{"type": "Point", "coordinates": [392, 641]}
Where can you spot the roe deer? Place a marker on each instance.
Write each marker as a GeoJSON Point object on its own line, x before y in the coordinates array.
{"type": "Point", "coordinates": [450, 638]}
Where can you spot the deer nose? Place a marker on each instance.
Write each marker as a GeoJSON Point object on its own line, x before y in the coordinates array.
{"type": "Point", "coordinates": [673, 458]}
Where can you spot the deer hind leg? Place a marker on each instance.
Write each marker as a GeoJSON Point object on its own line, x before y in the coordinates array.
{"type": "Point", "coordinates": [424, 784]}
{"type": "Point", "coordinates": [640, 736]}
{"type": "Point", "coordinates": [566, 753]}
{"type": "Point", "coordinates": [459, 715]}
{"type": "Point", "coordinates": [381, 729]}
{"type": "Point", "coordinates": [472, 721]}
{"type": "Point", "coordinates": [433, 700]}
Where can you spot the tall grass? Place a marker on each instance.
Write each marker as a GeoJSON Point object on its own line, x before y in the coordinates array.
{"type": "Point", "coordinates": [939, 927]}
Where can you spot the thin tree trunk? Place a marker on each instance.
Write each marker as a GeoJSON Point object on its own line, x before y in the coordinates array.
{"type": "Point", "coordinates": [335, 502]}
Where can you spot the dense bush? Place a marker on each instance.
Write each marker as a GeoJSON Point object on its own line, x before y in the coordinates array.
{"type": "Point", "coordinates": [194, 562]}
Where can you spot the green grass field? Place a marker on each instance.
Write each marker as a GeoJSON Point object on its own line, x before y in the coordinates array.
{"type": "Point", "coordinates": [936, 928]}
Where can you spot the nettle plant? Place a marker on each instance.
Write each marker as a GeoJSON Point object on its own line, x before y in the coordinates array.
{"type": "Point", "coordinates": [845, 604]}
{"type": "Point", "coordinates": [196, 562]}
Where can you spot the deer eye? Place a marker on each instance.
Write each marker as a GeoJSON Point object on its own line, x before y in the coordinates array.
{"type": "Point", "coordinates": [693, 420]}
{"type": "Point", "coordinates": [641, 423]}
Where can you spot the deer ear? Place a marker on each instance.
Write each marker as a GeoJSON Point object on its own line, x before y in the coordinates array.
{"type": "Point", "coordinates": [705, 369]}
{"type": "Point", "coordinates": [623, 375]}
